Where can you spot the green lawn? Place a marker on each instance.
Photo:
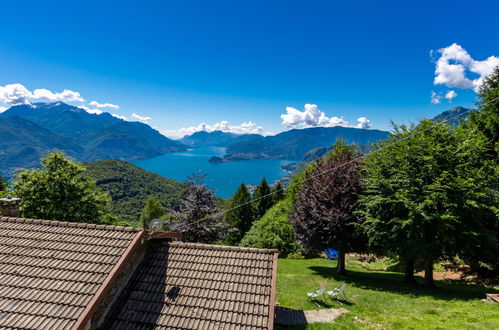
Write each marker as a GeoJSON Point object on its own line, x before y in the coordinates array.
{"type": "Point", "coordinates": [379, 299]}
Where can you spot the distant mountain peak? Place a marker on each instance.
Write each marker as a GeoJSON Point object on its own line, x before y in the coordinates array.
{"type": "Point", "coordinates": [453, 116]}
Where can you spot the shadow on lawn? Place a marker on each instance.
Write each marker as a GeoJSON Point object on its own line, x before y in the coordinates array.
{"type": "Point", "coordinates": [393, 282]}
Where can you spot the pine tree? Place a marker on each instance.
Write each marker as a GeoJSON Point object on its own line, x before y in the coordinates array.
{"type": "Point", "coordinates": [152, 210]}
{"type": "Point", "coordinates": [262, 198]}
{"type": "Point", "coordinates": [240, 215]}
{"type": "Point", "coordinates": [277, 193]}
{"type": "Point", "coordinates": [3, 184]}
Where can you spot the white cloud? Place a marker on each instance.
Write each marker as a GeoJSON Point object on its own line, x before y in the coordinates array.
{"type": "Point", "coordinates": [2, 109]}
{"type": "Point", "coordinates": [141, 118]}
{"type": "Point", "coordinates": [224, 126]}
{"type": "Point", "coordinates": [89, 110]}
{"type": "Point", "coordinates": [65, 96]}
{"type": "Point", "coordinates": [364, 123]}
{"type": "Point", "coordinates": [450, 95]}
{"type": "Point", "coordinates": [104, 105]}
{"type": "Point", "coordinates": [435, 98]}
{"type": "Point", "coordinates": [312, 116]}
{"type": "Point", "coordinates": [14, 94]}
{"type": "Point", "coordinates": [119, 116]}
{"type": "Point", "coordinates": [455, 62]}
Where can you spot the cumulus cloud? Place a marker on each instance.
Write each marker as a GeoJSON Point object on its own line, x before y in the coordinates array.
{"type": "Point", "coordinates": [89, 110]}
{"type": "Point", "coordinates": [143, 119]}
{"type": "Point", "coordinates": [119, 116]}
{"type": "Point", "coordinates": [363, 123]}
{"type": "Point", "coordinates": [104, 105]}
{"type": "Point", "coordinates": [454, 65]}
{"type": "Point", "coordinates": [435, 97]}
{"type": "Point", "coordinates": [450, 95]}
{"type": "Point", "coordinates": [65, 96]}
{"type": "Point", "coordinates": [16, 94]}
{"type": "Point", "coordinates": [224, 126]}
{"type": "Point", "coordinates": [312, 116]}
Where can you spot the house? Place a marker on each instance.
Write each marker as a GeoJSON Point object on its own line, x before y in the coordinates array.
{"type": "Point", "coordinates": [61, 275]}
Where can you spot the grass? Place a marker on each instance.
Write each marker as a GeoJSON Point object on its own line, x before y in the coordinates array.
{"type": "Point", "coordinates": [379, 299]}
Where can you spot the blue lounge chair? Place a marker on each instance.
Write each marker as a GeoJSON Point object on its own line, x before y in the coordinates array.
{"type": "Point", "coordinates": [331, 254]}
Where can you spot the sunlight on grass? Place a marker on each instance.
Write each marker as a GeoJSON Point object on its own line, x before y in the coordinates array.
{"type": "Point", "coordinates": [379, 299]}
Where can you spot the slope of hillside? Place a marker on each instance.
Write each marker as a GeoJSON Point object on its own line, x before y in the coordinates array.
{"type": "Point", "coordinates": [454, 116]}
{"type": "Point", "coordinates": [129, 186]}
{"type": "Point", "coordinates": [294, 144]}
{"type": "Point", "coordinates": [23, 142]}
{"type": "Point", "coordinates": [80, 134]}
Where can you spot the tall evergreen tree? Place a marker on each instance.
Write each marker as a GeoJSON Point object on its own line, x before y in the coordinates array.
{"type": "Point", "coordinates": [262, 198]}
{"type": "Point", "coordinates": [429, 196]}
{"type": "Point", "coordinates": [3, 184]}
{"type": "Point", "coordinates": [152, 210]}
{"type": "Point", "coordinates": [278, 193]}
{"type": "Point", "coordinates": [487, 117]}
{"type": "Point", "coordinates": [60, 191]}
{"type": "Point", "coordinates": [240, 215]}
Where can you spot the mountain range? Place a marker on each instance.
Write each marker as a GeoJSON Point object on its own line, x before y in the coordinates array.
{"type": "Point", "coordinates": [28, 131]}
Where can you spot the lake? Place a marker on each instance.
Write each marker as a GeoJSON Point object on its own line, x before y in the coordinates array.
{"type": "Point", "coordinates": [224, 178]}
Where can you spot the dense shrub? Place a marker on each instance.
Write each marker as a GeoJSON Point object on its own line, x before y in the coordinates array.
{"type": "Point", "coordinates": [273, 231]}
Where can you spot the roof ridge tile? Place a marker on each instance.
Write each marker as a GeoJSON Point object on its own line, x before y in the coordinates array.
{"type": "Point", "coordinates": [69, 224]}
{"type": "Point", "coordinates": [220, 247]}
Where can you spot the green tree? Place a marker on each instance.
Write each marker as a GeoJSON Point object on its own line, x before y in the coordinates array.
{"type": "Point", "coordinates": [429, 196]}
{"type": "Point", "coordinates": [487, 117]}
{"type": "Point", "coordinates": [262, 198]}
{"type": "Point", "coordinates": [59, 191]}
{"type": "Point", "coordinates": [152, 210]}
{"type": "Point", "coordinates": [324, 209]}
{"type": "Point", "coordinates": [3, 184]}
{"type": "Point", "coordinates": [278, 193]}
{"type": "Point", "coordinates": [273, 231]}
{"type": "Point", "coordinates": [240, 214]}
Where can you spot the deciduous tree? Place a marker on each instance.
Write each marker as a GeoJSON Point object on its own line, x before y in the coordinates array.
{"type": "Point", "coordinates": [324, 210]}
{"type": "Point", "coordinates": [60, 191]}
{"type": "Point", "coordinates": [429, 195]}
{"type": "Point", "coordinates": [152, 210]}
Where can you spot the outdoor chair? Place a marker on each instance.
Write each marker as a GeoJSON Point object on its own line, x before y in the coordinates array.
{"type": "Point", "coordinates": [333, 294]}
{"type": "Point", "coordinates": [316, 295]}
{"type": "Point", "coordinates": [331, 254]}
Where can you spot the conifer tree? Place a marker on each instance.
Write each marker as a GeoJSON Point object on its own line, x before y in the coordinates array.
{"type": "Point", "coordinates": [277, 193]}
{"type": "Point", "coordinates": [262, 198]}
{"type": "Point", "coordinates": [152, 210]}
{"type": "Point", "coordinates": [240, 215]}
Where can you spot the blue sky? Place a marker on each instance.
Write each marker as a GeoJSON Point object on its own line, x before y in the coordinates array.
{"type": "Point", "coordinates": [183, 63]}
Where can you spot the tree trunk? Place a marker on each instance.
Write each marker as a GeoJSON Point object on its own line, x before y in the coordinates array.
{"type": "Point", "coordinates": [340, 268]}
{"type": "Point", "coordinates": [409, 271]}
{"type": "Point", "coordinates": [428, 272]}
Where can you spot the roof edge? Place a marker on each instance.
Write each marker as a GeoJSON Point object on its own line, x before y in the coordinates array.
{"type": "Point", "coordinates": [221, 247]}
{"type": "Point", "coordinates": [99, 296]}
{"type": "Point", "coordinates": [69, 224]}
{"type": "Point", "coordinates": [273, 292]}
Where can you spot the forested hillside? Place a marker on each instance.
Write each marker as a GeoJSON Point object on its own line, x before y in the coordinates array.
{"type": "Point", "coordinates": [129, 186]}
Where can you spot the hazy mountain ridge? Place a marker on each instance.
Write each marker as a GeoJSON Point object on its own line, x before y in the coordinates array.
{"type": "Point", "coordinates": [454, 116]}
{"type": "Point", "coordinates": [215, 138]}
{"type": "Point", "coordinates": [294, 144]}
{"type": "Point", "coordinates": [29, 131]}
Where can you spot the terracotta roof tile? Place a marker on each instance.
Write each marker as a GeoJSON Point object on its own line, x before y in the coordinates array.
{"type": "Point", "coordinates": [51, 270]}
{"type": "Point", "coordinates": [197, 286]}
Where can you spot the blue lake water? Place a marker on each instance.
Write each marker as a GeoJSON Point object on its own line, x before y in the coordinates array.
{"type": "Point", "coordinates": [224, 178]}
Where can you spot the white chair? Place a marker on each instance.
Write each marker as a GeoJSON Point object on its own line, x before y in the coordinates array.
{"type": "Point", "coordinates": [333, 294]}
{"type": "Point", "coordinates": [319, 293]}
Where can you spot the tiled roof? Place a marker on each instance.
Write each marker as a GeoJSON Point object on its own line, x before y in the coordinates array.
{"type": "Point", "coordinates": [51, 272]}
{"type": "Point", "coordinates": [197, 286]}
